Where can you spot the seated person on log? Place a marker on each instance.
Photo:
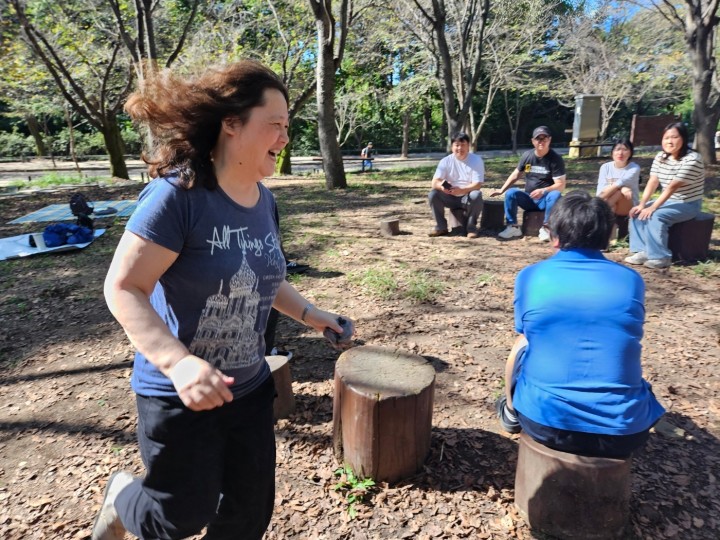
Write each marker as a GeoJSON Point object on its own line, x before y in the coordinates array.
{"type": "Point", "coordinates": [619, 179]}
{"type": "Point", "coordinates": [544, 172]}
{"type": "Point", "coordinates": [573, 378]}
{"type": "Point", "coordinates": [456, 185]}
{"type": "Point", "coordinates": [681, 174]}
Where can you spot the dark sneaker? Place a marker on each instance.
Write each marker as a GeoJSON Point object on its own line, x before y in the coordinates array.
{"type": "Point", "coordinates": [293, 267]}
{"type": "Point", "coordinates": [107, 523]}
{"type": "Point", "coordinates": [438, 233]}
{"type": "Point", "coordinates": [507, 424]}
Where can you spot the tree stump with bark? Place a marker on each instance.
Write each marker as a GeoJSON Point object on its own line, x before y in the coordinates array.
{"type": "Point", "coordinates": [532, 222]}
{"type": "Point", "coordinates": [284, 404]}
{"type": "Point", "coordinates": [390, 227]}
{"type": "Point", "coordinates": [570, 496]}
{"type": "Point", "coordinates": [382, 412]}
{"type": "Point", "coordinates": [493, 215]}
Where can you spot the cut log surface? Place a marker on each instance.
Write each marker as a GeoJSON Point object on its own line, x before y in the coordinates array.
{"type": "Point", "coordinates": [382, 415]}
{"type": "Point", "coordinates": [284, 404]}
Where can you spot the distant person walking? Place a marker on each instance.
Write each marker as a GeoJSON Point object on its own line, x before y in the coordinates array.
{"type": "Point", "coordinates": [367, 155]}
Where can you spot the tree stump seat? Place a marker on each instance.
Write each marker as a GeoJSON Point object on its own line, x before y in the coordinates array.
{"type": "Point", "coordinates": [620, 227]}
{"type": "Point", "coordinates": [532, 221]}
{"type": "Point", "coordinates": [493, 215]}
{"type": "Point", "coordinates": [284, 404]}
{"type": "Point", "coordinates": [690, 240]}
{"type": "Point", "coordinates": [390, 227]}
{"type": "Point", "coordinates": [569, 496]}
{"type": "Point", "coordinates": [382, 412]}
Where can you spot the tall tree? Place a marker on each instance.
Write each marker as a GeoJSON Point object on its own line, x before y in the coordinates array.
{"type": "Point", "coordinates": [92, 79]}
{"type": "Point", "coordinates": [698, 20]}
{"type": "Point", "coordinates": [331, 38]}
{"type": "Point", "coordinates": [453, 31]}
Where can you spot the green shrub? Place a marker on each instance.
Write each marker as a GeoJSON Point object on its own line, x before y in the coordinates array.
{"type": "Point", "coordinates": [16, 144]}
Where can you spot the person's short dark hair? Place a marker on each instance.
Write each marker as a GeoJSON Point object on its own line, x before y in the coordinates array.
{"type": "Point", "coordinates": [460, 136]}
{"type": "Point", "coordinates": [579, 220]}
{"type": "Point", "coordinates": [626, 143]}
{"type": "Point", "coordinates": [683, 131]}
{"type": "Point", "coordinates": [541, 130]}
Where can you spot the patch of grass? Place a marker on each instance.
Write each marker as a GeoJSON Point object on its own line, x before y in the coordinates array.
{"type": "Point", "coordinates": [421, 287]}
{"type": "Point", "coordinates": [486, 278]}
{"type": "Point", "coordinates": [59, 179]}
{"type": "Point", "coordinates": [707, 269]}
{"type": "Point", "coordinates": [294, 279]}
{"type": "Point", "coordinates": [355, 489]}
{"type": "Point", "coordinates": [379, 282]}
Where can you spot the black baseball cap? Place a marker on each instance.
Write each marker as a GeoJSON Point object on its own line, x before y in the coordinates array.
{"type": "Point", "coordinates": [541, 130]}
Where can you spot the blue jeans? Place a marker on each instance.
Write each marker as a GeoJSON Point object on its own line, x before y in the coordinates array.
{"type": "Point", "coordinates": [515, 197]}
{"type": "Point", "coordinates": [651, 236]}
{"type": "Point", "coordinates": [471, 203]}
{"type": "Point", "coordinates": [214, 468]}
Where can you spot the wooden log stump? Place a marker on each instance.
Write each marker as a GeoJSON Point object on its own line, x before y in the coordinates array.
{"type": "Point", "coordinates": [457, 219]}
{"type": "Point", "coordinates": [382, 412]}
{"type": "Point", "coordinates": [390, 227]}
{"type": "Point", "coordinates": [690, 240]}
{"type": "Point", "coordinates": [620, 228]}
{"type": "Point", "coordinates": [532, 221]}
{"type": "Point", "coordinates": [284, 404]}
{"type": "Point", "coordinates": [569, 496]}
{"type": "Point", "coordinates": [493, 215]}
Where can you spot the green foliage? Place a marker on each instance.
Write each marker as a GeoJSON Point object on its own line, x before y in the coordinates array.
{"type": "Point", "coordinates": [58, 179]}
{"type": "Point", "coordinates": [356, 490]}
{"type": "Point", "coordinates": [15, 144]}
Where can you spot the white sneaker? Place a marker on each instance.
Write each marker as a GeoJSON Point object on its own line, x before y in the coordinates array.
{"type": "Point", "coordinates": [544, 234]}
{"type": "Point", "coordinates": [511, 231]}
{"type": "Point", "coordinates": [658, 263]}
{"type": "Point", "coordinates": [107, 523]}
{"type": "Point", "coordinates": [637, 258]}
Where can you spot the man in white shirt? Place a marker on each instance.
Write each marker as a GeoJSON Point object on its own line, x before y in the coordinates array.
{"type": "Point", "coordinates": [456, 185]}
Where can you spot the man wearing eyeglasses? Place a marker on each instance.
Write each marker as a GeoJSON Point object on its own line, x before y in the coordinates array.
{"type": "Point", "coordinates": [544, 172]}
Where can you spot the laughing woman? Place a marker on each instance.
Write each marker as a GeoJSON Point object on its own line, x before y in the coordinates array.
{"type": "Point", "coordinates": [192, 283]}
{"type": "Point", "coordinates": [681, 174]}
{"type": "Point", "coordinates": [618, 181]}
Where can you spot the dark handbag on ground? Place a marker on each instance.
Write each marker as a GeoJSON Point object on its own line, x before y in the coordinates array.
{"type": "Point", "coordinates": [81, 209]}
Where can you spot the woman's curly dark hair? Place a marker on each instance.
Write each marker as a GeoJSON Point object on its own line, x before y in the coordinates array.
{"type": "Point", "coordinates": [184, 115]}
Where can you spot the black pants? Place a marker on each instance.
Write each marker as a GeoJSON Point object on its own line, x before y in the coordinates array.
{"type": "Point", "coordinates": [214, 468]}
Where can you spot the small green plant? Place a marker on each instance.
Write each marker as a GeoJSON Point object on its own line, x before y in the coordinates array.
{"type": "Point", "coordinates": [486, 278]}
{"type": "Point", "coordinates": [295, 278]}
{"type": "Point", "coordinates": [377, 281]}
{"type": "Point", "coordinates": [706, 269]}
{"type": "Point", "coordinates": [422, 288]}
{"type": "Point", "coordinates": [354, 488]}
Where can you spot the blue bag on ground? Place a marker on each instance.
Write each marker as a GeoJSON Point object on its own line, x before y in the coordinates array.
{"type": "Point", "coordinates": [60, 234]}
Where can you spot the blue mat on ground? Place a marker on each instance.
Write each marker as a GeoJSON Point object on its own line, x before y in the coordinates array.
{"type": "Point", "coordinates": [61, 212]}
{"type": "Point", "coordinates": [15, 247]}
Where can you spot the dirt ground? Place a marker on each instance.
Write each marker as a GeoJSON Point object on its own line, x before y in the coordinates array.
{"type": "Point", "coordinates": [67, 414]}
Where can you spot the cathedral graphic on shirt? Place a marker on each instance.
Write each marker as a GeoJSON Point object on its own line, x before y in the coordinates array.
{"type": "Point", "coordinates": [226, 335]}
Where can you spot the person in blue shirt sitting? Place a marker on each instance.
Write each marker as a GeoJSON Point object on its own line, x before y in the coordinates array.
{"type": "Point", "coordinates": [573, 378]}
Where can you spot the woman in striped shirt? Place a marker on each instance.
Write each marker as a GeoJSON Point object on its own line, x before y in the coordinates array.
{"type": "Point", "coordinates": [681, 174]}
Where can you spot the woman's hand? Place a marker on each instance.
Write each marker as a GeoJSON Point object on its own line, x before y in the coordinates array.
{"type": "Point", "coordinates": [645, 213]}
{"type": "Point", "coordinates": [320, 320]}
{"type": "Point", "coordinates": [635, 210]}
{"type": "Point", "coordinates": [200, 386]}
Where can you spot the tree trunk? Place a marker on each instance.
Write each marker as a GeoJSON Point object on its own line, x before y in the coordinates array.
{"type": "Point", "coordinates": [706, 110]}
{"type": "Point", "coordinates": [426, 126]}
{"type": "Point", "coordinates": [115, 148]}
{"type": "Point", "coordinates": [327, 131]}
{"type": "Point", "coordinates": [34, 128]}
{"type": "Point", "coordinates": [283, 165]}
{"type": "Point", "coordinates": [71, 133]}
{"type": "Point", "coordinates": [406, 135]}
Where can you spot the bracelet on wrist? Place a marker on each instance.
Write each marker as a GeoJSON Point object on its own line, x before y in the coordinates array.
{"type": "Point", "coordinates": [307, 308]}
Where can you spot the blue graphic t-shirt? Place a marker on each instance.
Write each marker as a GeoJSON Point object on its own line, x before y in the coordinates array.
{"type": "Point", "coordinates": [217, 295]}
